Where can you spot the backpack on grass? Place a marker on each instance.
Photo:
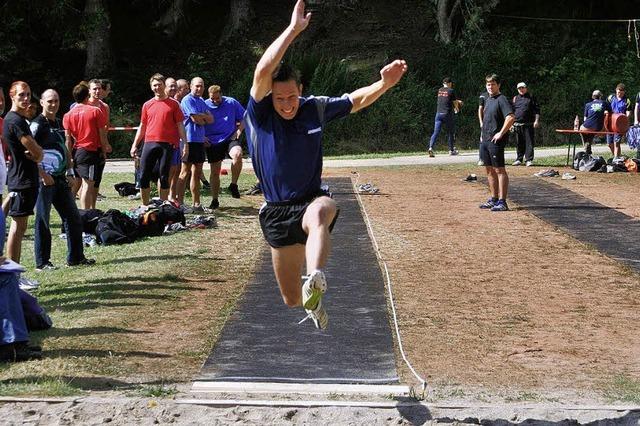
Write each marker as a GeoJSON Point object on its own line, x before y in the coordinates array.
{"type": "Point", "coordinates": [115, 227]}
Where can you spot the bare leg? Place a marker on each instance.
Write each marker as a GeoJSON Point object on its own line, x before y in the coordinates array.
{"type": "Point", "coordinates": [315, 223]}
{"type": "Point", "coordinates": [16, 233]}
{"type": "Point", "coordinates": [214, 179]}
{"type": "Point", "coordinates": [145, 194]}
{"type": "Point", "coordinates": [503, 182]}
{"type": "Point", "coordinates": [174, 172]}
{"type": "Point", "coordinates": [87, 195]}
{"type": "Point", "coordinates": [492, 178]}
{"type": "Point", "coordinates": [236, 163]}
{"type": "Point", "coordinates": [182, 182]}
{"type": "Point", "coordinates": [287, 266]}
{"type": "Point", "coordinates": [196, 172]}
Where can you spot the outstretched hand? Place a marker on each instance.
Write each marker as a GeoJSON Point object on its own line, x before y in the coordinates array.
{"type": "Point", "coordinates": [299, 21]}
{"type": "Point", "coordinates": [393, 72]}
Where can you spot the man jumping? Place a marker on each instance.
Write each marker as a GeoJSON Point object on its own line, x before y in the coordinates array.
{"type": "Point", "coordinates": [284, 134]}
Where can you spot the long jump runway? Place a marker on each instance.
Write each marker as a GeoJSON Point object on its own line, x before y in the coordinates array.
{"type": "Point", "coordinates": [262, 341]}
{"type": "Point", "coordinates": [611, 232]}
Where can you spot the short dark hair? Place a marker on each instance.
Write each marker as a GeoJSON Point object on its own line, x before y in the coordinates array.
{"type": "Point", "coordinates": [286, 72]}
{"type": "Point", "coordinates": [492, 77]}
{"type": "Point", "coordinates": [106, 83]}
{"type": "Point", "coordinates": [446, 80]}
{"type": "Point", "coordinates": [157, 76]}
{"type": "Point", "coordinates": [80, 92]}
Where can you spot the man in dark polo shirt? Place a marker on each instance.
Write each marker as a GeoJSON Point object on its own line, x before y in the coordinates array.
{"type": "Point", "coordinates": [447, 103]}
{"type": "Point", "coordinates": [527, 113]}
{"type": "Point", "coordinates": [497, 119]}
{"type": "Point", "coordinates": [284, 134]}
{"type": "Point", "coordinates": [594, 112]}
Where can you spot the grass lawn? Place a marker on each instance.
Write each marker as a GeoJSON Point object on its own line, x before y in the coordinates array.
{"type": "Point", "coordinates": [148, 313]}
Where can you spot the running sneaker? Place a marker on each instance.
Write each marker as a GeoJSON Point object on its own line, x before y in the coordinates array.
{"type": "Point", "coordinates": [453, 152]}
{"type": "Point", "coordinates": [517, 163]}
{"type": "Point", "coordinates": [431, 154]}
{"type": "Point", "coordinates": [205, 184]}
{"type": "Point", "coordinates": [488, 204]}
{"type": "Point", "coordinates": [314, 287]}
{"type": "Point", "coordinates": [214, 204]}
{"type": "Point", "coordinates": [82, 262]}
{"type": "Point", "coordinates": [46, 267]}
{"type": "Point", "coordinates": [27, 284]}
{"type": "Point", "coordinates": [480, 163]}
{"type": "Point", "coordinates": [500, 206]}
{"type": "Point", "coordinates": [529, 163]}
{"type": "Point", "coordinates": [197, 209]}
{"type": "Point", "coordinates": [318, 316]}
{"type": "Point", "coordinates": [100, 197]}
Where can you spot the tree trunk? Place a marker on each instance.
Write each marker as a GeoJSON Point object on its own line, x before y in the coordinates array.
{"type": "Point", "coordinates": [239, 17]}
{"type": "Point", "coordinates": [447, 11]}
{"type": "Point", "coordinates": [171, 19]}
{"type": "Point", "coordinates": [97, 27]}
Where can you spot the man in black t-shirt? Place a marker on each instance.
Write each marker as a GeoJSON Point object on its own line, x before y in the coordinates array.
{"type": "Point", "coordinates": [527, 113]}
{"type": "Point", "coordinates": [497, 119]}
{"type": "Point", "coordinates": [22, 179]}
{"type": "Point", "coordinates": [446, 106]}
{"type": "Point", "coordinates": [54, 189]}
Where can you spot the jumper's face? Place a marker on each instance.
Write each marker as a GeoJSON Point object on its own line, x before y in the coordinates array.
{"type": "Point", "coordinates": [493, 88]}
{"type": "Point", "coordinates": [286, 98]}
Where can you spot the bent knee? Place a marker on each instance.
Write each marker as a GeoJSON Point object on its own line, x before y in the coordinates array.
{"type": "Point", "coordinates": [321, 213]}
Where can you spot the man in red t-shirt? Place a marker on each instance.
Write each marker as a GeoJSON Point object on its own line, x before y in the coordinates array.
{"type": "Point", "coordinates": [86, 130]}
{"type": "Point", "coordinates": [161, 128]}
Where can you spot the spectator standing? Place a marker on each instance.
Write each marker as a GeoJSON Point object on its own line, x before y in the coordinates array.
{"type": "Point", "coordinates": [445, 114]}
{"type": "Point", "coordinates": [23, 177]}
{"type": "Point", "coordinates": [54, 189]}
{"type": "Point", "coordinates": [496, 122]}
{"type": "Point", "coordinates": [161, 129]}
{"type": "Point", "coordinates": [620, 104]}
{"type": "Point", "coordinates": [196, 116]}
{"type": "Point", "coordinates": [527, 113]}
{"type": "Point", "coordinates": [224, 140]}
{"type": "Point", "coordinates": [86, 131]}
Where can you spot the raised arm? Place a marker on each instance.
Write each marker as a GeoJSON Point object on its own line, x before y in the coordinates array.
{"type": "Point", "coordinates": [275, 52]}
{"type": "Point", "coordinates": [390, 75]}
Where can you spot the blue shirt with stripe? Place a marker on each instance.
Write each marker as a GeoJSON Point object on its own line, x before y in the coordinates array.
{"type": "Point", "coordinates": [287, 154]}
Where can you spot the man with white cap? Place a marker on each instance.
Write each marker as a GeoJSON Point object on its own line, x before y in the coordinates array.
{"type": "Point", "coordinates": [527, 113]}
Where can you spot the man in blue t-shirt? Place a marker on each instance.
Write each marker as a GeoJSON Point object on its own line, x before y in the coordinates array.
{"type": "Point", "coordinates": [594, 112]}
{"type": "Point", "coordinates": [224, 140]}
{"type": "Point", "coordinates": [284, 134]}
{"type": "Point", "coordinates": [196, 116]}
{"type": "Point", "coordinates": [620, 104]}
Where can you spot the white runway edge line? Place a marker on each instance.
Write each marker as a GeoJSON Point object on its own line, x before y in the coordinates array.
{"type": "Point", "coordinates": [423, 382]}
{"type": "Point", "coordinates": [297, 388]}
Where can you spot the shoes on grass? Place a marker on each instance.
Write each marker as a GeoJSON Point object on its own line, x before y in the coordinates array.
{"type": "Point", "coordinates": [529, 163]}
{"type": "Point", "coordinates": [453, 152]}
{"type": "Point", "coordinates": [82, 262]}
{"type": "Point", "coordinates": [214, 204]}
{"type": "Point", "coordinates": [254, 190]}
{"type": "Point", "coordinates": [431, 154]}
{"type": "Point", "coordinates": [46, 267]}
{"type": "Point", "coordinates": [517, 163]}
{"type": "Point", "coordinates": [568, 176]}
{"type": "Point", "coordinates": [470, 178]}
{"type": "Point", "coordinates": [233, 189]}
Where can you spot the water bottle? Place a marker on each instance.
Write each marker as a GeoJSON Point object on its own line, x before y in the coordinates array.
{"type": "Point", "coordinates": [576, 123]}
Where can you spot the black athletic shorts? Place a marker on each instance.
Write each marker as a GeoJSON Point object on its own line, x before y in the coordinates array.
{"type": "Point", "coordinates": [492, 154]}
{"type": "Point", "coordinates": [219, 151]}
{"type": "Point", "coordinates": [196, 153]}
{"type": "Point", "coordinates": [90, 165]}
{"type": "Point", "coordinates": [281, 223]}
{"type": "Point", "coordinates": [22, 202]}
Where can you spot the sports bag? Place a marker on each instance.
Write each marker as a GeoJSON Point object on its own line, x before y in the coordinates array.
{"type": "Point", "coordinates": [591, 164]}
{"type": "Point", "coordinates": [149, 224]}
{"type": "Point", "coordinates": [125, 188]}
{"type": "Point", "coordinates": [115, 227]}
{"type": "Point", "coordinates": [89, 218]}
{"type": "Point", "coordinates": [170, 214]}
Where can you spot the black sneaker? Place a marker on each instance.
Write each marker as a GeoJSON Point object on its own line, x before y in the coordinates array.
{"type": "Point", "coordinates": [488, 204]}
{"type": "Point", "coordinates": [233, 188]}
{"type": "Point", "coordinates": [205, 184]}
{"type": "Point", "coordinates": [83, 262]}
{"type": "Point", "coordinates": [17, 353]}
{"type": "Point", "coordinates": [214, 204]}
